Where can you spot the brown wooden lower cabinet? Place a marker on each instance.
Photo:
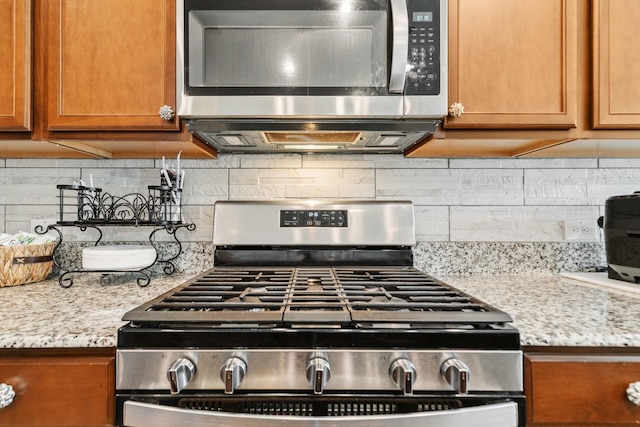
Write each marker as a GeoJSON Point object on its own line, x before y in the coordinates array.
{"type": "Point", "coordinates": [59, 387]}
{"type": "Point", "coordinates": [581, 389]}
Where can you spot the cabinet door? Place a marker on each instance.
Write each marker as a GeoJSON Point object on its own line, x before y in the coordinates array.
{"type": "Point", "coordinates": [59, 390]}
{"type": "Point", "coordinates": [15, 65]}
{"type": "Point", "coordinates": [110, 64]}
{"type": "Point", "coordinates": [571, 389]}
{"type": "Point", "coordinates": [513, 64]}
{"type": "Point", "coordinates": [616, 65]}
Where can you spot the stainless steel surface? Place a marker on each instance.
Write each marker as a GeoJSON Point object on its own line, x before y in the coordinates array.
{"type": "Point", "coordinates": [457, 374]}
{"type": "Point", "coordinates": [310, 135]}
{"type": "Point", "coordinates": [332, 326]}
{"type": "Point", "coordinates": [180, 373]}
{"type": "Point", "coordinates": [150, 415]}
{"type": "Point", "coordinates": [400, 47]}
{"type": "Point", "coordinates": [403, 373]}
{"type": "Point", "coordinates": [278, 107]}
{"type": "Point", "coordinates": [351, 369]}
{"type": "Point", "coordinates": [355, 110]}
{"type": "Point", "coordinates": [255, 223]}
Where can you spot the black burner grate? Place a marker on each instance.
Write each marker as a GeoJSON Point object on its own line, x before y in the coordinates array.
{"type": "Point", "coordinates": [316, 295]}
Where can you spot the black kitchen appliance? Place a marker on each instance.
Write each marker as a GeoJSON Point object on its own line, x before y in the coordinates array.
{"type": "Point", "coordinates": [315, 316]}
{"type": "Point", "coordinates": [621, 225]}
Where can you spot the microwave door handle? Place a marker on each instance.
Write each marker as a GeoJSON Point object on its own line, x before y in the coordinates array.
{"type": "Point", "coordinates": [400, 49]}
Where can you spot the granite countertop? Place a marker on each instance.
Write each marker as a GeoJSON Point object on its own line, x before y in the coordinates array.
{"type": "Point", "coordinates": [547, 309]}
{"type": "Point", "coordinates": [87, 314]}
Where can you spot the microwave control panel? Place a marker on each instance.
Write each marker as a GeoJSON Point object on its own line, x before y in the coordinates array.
{"type": "Point", "coordinates": [423, 65]}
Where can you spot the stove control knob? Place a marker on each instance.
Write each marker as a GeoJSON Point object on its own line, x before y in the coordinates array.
{"type": "Point", "coordinates": [456, 373]}
{"type": "Point", "coordinates": [232, 373]}
{"type": "Point", "coordinates": [318, 373]}
{"type": "Point", "coordinates": [403, 373]}
{"type": "Point", "coordinates": [180, 374]}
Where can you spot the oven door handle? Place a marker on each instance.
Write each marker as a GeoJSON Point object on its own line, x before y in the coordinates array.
{"type": "Point", "coordinates": [138, 414]}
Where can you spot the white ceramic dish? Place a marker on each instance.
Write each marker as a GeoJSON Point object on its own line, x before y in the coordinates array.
{"type": "Point", "coordinates": [118, 257]}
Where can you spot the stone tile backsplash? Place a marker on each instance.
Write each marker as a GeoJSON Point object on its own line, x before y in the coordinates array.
{"type": "Point", "coordinates": [466, 209]}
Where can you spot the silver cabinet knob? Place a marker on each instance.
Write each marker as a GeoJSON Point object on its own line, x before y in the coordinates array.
{"type": "Point", "coordinates": [456, 374]}
{"type": "Point", "coordinates": [232, 373]}
{"type": "Point", "coordinates": [403, 373]}
{"type": "Point", "coordinates": [318, 373]}
{"type": "Point", "coordinates": [633, 393]}
{"type": "Point", "coordinates": [166, 113]}
{"type": "Point", "coordinates": [6, 395]}
{"type": "Point", "coordinates": [180, 374]}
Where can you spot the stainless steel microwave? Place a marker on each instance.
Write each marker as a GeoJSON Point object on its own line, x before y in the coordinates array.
{"type": "Point", "coordinates": [345, 67]}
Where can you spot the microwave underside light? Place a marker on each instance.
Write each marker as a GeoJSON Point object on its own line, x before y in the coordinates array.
{"type": "Point", "coordinates": [316, 138]}
{"type": "Point", "coordinates": [339, 136]}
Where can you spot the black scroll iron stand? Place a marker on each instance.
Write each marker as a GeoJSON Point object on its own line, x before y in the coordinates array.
{"type": "Point", "coordinates": [95, 209]}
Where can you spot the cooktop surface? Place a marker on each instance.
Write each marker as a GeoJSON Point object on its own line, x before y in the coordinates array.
{"type": "Point", "coordinates": [386, 296]}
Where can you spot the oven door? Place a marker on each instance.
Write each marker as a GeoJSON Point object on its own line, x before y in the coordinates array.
{"type": "Point", "coordinates": [139, 414]}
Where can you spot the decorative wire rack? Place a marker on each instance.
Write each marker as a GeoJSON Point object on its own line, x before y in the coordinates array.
{"type": "Point", "coordinates": [89, 207]}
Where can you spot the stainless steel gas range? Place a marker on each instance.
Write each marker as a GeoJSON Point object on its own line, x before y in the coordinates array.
{"type": "Point", "coordinates": [315, 316]}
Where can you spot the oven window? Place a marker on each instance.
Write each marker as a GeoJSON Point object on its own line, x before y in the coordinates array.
{"type": "Point", "coordinates": [276, 50]}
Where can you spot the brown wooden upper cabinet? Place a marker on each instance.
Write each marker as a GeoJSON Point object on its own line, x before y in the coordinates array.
{"type": "Point", "coordinates": [616, 67]}
{"type": "Point", "coordinates": [110, 65]}
{"type": "Point", "coordinates": [542, 78]}
{"type": "Point", "coordinates": [540, 64]}
{"type": "Point", "coordinates": [513, 64]}
{"type": "Point", "coordinates": [15, 65]}
{"type": "Point", "coordinates": [88, 79]}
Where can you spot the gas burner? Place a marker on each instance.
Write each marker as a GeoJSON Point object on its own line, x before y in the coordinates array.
{"type": "Point", "coordinates": [315, 295]}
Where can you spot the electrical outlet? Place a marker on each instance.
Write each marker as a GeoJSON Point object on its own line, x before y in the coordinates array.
{"type": "Point", "coordinates": [580, 230]}
{"type": "Point", "coordinates": [42, 222]}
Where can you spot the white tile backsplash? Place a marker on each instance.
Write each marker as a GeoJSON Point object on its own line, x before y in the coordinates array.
{"type": "Point", "coordinates": [452, 187]}
{"type": "Point", "coordinates": [262, 161]}
{"type": "Point", "coordinates": [456, 200]}
{"type": "Point", "coordinates": [432, 223]}
{"type": "Point", "coordinates": [516, 223]}
{"type": "Point", "coordinates": [523, 163]}
{"type": "Point", "coordinates": [619, 163]}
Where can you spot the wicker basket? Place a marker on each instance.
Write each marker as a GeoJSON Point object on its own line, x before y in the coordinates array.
{"type": "Point", "coordinates": [22, 264]}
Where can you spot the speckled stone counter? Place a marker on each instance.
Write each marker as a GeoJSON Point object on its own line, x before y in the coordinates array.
{"type": "Point", "coordinates": [553, 311]}
{"type": "Point", "coordinates": [548, 310]}
{"type": "Point", "coordinates": [87, 314]}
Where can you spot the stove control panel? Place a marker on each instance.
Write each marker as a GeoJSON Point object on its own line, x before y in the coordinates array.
{"type": "Point", "coordinates": [313, 218]}
{"type": "Point", "coordinates": [320, 371]}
